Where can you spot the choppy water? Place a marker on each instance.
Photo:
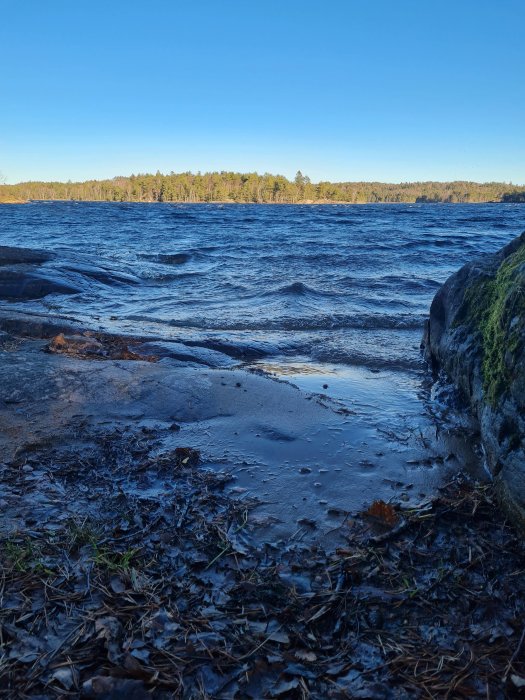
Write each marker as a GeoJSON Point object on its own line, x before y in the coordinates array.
{"type": "Point", "coordinates": [337, 284]}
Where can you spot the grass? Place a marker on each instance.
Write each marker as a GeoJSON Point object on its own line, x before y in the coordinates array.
{"type": "Point", "coordinates": [114, 561]}
{"type": "Point", "coordinates": [23, 556]}
{"type": "Point", "coordinates": [103, 556]}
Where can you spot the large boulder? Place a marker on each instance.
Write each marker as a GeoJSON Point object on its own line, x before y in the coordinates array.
{"type": "Point", "coordinates": [476, 335]}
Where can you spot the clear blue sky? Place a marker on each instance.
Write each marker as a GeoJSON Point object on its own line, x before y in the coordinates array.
{"type": "Point", "coordinates": [343, 90]}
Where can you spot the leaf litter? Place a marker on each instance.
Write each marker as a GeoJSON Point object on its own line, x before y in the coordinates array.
{"type": "Point", "coordinates": [112, 588]}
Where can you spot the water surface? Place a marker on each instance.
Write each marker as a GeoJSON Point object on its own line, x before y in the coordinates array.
{"type": "Point", "coordinates": [347, 284]}
{"type": "Point", "coordinates": [330, 297]}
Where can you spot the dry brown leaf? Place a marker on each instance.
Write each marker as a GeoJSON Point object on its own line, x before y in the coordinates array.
{"type": "Point", "coordinates": [383, 512]}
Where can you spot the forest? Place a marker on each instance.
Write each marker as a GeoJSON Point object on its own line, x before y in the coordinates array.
{"type": "Point", "coordinates": [254, 188]}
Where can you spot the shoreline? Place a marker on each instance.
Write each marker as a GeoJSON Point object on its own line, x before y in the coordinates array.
{"type": "Point", "coordinates": [300, 203]}
{"type": "Point", "coordinates": [131, 566]}
{"type": "Point", "coordinates": [235, 410]}
{"type": "Point", "coordinates": [110, 587]}
{"type": "Point", "coordinates": [160, 541]}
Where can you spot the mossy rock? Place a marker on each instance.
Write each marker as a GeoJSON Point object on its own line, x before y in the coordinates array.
{"type": "Point", "coordinates": [476, 335]}
{"type": "Point", "coordinates": [495, 307]}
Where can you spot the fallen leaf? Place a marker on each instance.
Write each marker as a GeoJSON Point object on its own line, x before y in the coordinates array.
{"type": "Point", "coordinates": [284, 687]}
{"type": "Point", "coordinates": [518, 681]}
{"type": "Point", "coordinates": [279, 637]}
{"type": "Point", "coordinates": [109, 687]}
{"type": "Point", "coordinates": [65, 676]}
{"type": "Point", "coordinates": [383, 512]}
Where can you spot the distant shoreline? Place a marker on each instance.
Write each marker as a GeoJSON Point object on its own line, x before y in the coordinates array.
{"type": "Point", "coordinates": [251, 188]}
{"type": "Point", "coordinates": [231, 201]}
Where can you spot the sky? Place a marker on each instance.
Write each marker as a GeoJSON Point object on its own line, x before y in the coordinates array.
{"type": "Point", "coordinates": [388, 90]}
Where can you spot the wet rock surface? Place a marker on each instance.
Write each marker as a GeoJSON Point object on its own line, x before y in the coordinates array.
{"type": "Point", "coordinates": [302, 454]}
{"type": "Point", "coordinates": [476, 335]}
{"type": "Point", "coordinates": [32, 274]}
{"type": "Point", "coordinates": [89, 346]}
{"type": "Point", "coordinates": [10, 255]}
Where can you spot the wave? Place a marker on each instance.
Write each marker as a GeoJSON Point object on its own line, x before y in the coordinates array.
{"type": "Point", "coordinates": [156, 277]}
{"type": "Point", "coordinates": [402, 283]}
{"type": "Point", "coordinates": [476, 220]}
{"type": "Point", "coordinates": [167, 258]}
{"type": "Point", "coordinates": [327, 322]}
{"type": "Point", "coordinates": [300, 289]}
{"type": "Point", "coordinates": [295, 289]}
{"type": "Point", "coordinates": [361, 359]}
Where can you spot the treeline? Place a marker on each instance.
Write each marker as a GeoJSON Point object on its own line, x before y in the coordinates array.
{"type": "Point", "coordinates": [516, 196]}
{"type": "Point", "coordinates": [252, 187]}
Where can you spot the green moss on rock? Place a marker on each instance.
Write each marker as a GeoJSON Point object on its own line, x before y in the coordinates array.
{"type": "Point", "coordinates": [496, 307]}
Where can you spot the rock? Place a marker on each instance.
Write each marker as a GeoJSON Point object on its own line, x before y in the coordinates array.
{"type": "Point", "coordinates": [476, 335]}
{"type": "Point", "coordinates": [33, 274]}
{"type": "Point", "coordinates": [24, 283]}
{"type": "Point", "coordinates": [75, 345]}
{"type": "Point", "coordinates": [22, 276]}
{"type": "Point", "coordinates": [10, 255]}
{"type": "Point", "coordinates": [104, 346]}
